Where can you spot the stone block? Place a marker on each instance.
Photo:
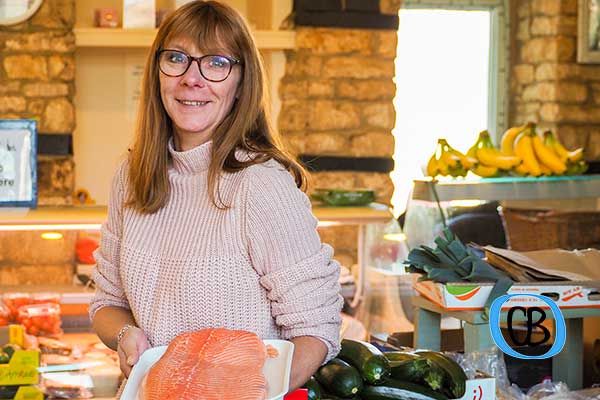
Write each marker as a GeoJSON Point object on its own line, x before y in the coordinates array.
{"type": "Point", "coordinates": [546, 7]}
{"type": "Point", "coordinates": [43, 89]}
{"type": "Point", "coordinates": [369, 89]}
{"type": "Point", "coordinates": [553, 49]}
{"type": "Point", "coordinates": [326, 143]}
{"type": "Point", "coordinates": [295, 142]}
{"type": "Point", "coordinates": [56, 14]}
{"type": "Point", "coordinates": [553, 26]}
{"type": "Point", "coordinates": [380, 182]}
{"type": "Point", "coordinates": [387, 43]}
{"type": "Point", "coordinates": [358, 67]}
{"type": "Point", "coordinates": [590, 72]}
{"type": "Point", "coordinates": [523, 8]}
{"type": "Point", "coordinates": [12, 104]}
{"type": "Point", "coordinates": [342, 237]}
{"type": "Point", "coordinates": [523, 73]}
{"type": "Point", "coordinates": [564, 92]}
{"type": "Point", "coordinates": [58, 117]}
{"type": "Point", "coordinates": [26, 67]}
{"type": "Point", "coordinates": [523, 31]}
{"type": "Point", "coordinates": [41, 274]}
{"type": "Point", "coordinates": [321, 88]}
{"type": "Point", "coordinates": [61, 67]}
{"type": "Point", "coordinates": [380, 115]}
{"type": "Point", "coordinates": [333, 179]}
{"type": "Point", "coordinates": [56, 175]}
{"type": "Point", "coordinates": [573, 136]}
{"type": "Point", "coordinates": [328, 115]}
{"type": "Point", "coordinates": [10, 87]}
{"type": "Point", "coordinates": [563, 113]}
{"type": "Point", "coordinates": [373, 144]}
{"type": "Point", "coordinates": [592, 149]}
{"type": "Point", "coordinates": [29, 248]}
{"type": "Point", "coordinates": [36, 106]}
{"type": "Point", "coordinates": [325, 41]}
{"type": "Point", "coordinates": [57, 42]}
{"type": "Point", "coordinates": [293, 89]}
{"type": "Point", "coordinates": [293, 116]}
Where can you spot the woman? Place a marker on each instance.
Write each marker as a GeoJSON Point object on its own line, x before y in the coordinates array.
{"type": "Point", "coordinates": [207, 224]}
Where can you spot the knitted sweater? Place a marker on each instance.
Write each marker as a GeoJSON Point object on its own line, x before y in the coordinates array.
{"type": "Point", "coordinates": [259, 266]}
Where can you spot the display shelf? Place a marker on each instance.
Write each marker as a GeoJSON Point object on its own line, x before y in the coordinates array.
{"type": "Point", "coordinates": [92, 217]}
{"type": "Point", "coordinates": [143, 38]}
{"type": "Point", "coordinates": [508, 188]}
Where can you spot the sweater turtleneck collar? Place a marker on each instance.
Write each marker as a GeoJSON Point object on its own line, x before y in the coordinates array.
{"type": "Point", "coordinates": [191, 161]}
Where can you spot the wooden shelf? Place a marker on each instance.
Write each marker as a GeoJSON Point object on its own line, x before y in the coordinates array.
{"type": "Point", "coordinates": [91, 217]}
{"type": "Point", "coordinates": [142, 38]}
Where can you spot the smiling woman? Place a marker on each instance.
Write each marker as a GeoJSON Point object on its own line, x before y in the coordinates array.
{"type": "Point", "coordinates": [208, 225]}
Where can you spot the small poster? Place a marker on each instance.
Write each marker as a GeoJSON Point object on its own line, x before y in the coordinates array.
{"type": "Point", "coordinates": [139, 14]}
{"type": "Point", "coordinates": [18, 163]}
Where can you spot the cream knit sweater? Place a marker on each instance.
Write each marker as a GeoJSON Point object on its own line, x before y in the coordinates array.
{"type": "Point", "coordinates": [259, 266]}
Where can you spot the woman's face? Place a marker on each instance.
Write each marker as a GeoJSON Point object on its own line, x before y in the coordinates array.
{"type": "Point", "coordinates": [196, 105]}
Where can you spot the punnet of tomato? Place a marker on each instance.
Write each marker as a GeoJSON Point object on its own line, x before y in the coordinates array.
{"type": "Point", "coordinates": [4, 314]}
{"type": "Point", "coordinates": [15, 300]}
{"type": "Point", "coordinates": [41, 319]}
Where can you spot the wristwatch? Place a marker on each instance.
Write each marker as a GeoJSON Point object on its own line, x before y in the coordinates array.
{"type": "Point", "coordinates": [122, 332]}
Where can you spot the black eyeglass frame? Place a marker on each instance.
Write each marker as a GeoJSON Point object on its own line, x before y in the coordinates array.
{"type": "Point", "coordinates": [191, 59]}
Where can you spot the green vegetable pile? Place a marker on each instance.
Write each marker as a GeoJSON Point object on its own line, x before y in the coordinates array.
{"type": "Point", "coordinates": [361, 371]}
{"type": "Point", "coordinates": [452, 261]}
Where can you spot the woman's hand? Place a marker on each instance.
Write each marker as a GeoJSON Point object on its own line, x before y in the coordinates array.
{"type": "Point", "coordinates": [133, 343]}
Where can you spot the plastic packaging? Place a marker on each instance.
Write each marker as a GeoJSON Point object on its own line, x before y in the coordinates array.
{"type": "Point", "coordinates": [41, 319]}
{"type": "Point", "coordinates": [47, 297]}
{"type": "Point", "coordinates": [15, 300]}
{"type": "Point", "coordinates": [67, 385]}
{"type": "Point", "coordinates": [4, 314]}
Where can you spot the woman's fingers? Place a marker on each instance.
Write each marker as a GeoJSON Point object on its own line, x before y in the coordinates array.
{"type": "Point", "coordinates": [131, 347]}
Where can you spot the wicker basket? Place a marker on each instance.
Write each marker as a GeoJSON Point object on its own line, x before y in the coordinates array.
{"type": "Point", "coordinates": [546, 229]}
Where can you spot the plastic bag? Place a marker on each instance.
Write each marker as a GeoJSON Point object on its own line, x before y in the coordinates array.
{"type": "Point", "coordinates": [4, 314]}
{"type": "Point", "coordinates": [15, 300]}
{"type": "Point", "coordinates": [67, 385]}
{"type": "Point", "coordinates": [41, 319]}
{"type": "Point", "coordinates": [545, 389]}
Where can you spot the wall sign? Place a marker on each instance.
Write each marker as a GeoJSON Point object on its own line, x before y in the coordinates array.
{"type": "Point", "coordinates": [18, 163]}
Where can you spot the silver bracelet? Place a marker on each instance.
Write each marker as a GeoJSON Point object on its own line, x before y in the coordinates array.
{"type": "Point", "coordinates": [122, 332]}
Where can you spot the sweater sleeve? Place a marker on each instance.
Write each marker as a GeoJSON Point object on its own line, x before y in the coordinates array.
{"type": "Point", "coordinates": [109, 291]}
{"type": "Point", "coordinates": [296, 269]}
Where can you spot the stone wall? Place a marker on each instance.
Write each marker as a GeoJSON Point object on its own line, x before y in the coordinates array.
{"type": "Point", "coordinates": [37, 80]}
{"type": "Point", "coordinates": [548, 85]}
{"type": "Point", "coordinates": [337, 100]}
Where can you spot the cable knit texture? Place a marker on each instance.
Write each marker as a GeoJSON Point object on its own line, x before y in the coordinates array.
{"type": "Point", "coordinates": [259, 266]}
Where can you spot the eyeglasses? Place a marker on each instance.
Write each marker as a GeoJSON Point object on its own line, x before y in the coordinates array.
{"type": "Point", "coordinates": [214, 68]}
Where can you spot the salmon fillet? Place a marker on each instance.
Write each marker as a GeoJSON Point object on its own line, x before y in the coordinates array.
{"type": "Point", "coordinates": [209, 364]}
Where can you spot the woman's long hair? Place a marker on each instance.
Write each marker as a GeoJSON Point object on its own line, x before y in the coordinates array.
{"type": "Point", "coordinates": [247, 127]}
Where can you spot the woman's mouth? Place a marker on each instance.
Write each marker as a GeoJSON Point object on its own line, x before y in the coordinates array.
{"type": "Point", "coordinates": [193, 103]}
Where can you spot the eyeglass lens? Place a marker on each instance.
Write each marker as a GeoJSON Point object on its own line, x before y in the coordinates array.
{"type": "Point", "coordinates": [212, 67]}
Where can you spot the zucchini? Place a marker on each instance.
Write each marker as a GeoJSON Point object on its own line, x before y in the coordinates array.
{"type": "Point", "coordinates": [339, 378]}
{"type": "Point", "coordinates": [373, 366]}
{"type": "Point", "coordinates": [314, 389]}
{"type": "Point", "coordinates": [411, 370]}
{"type": "Point", "coordinates": [454, 378]}
{"type": "Point", "coordinates": [395, 390]}
{"type": "Point", "coordinates": [396, 357]}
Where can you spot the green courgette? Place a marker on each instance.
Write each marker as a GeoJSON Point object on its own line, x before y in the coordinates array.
{"type": "Point", "coordinates": [397, 390]}
{"type": "Point", "coordinates": [453, 376]}
{"type": "Point", "coordinates": [396, 357]}
{"type": "Point", "coordinates": [339, 378]}
{"type": "Point", "coordinates": [314, 389]}
{"type": "Point", "coordinates": [411, 370]}
{"type": "Point", "coordinates": [373, 366]}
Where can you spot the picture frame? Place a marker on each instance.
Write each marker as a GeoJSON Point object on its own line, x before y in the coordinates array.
{"type": "Point", "coordinates": [588, 31]}
{"type": "Point", "coordinates": [18, 163]}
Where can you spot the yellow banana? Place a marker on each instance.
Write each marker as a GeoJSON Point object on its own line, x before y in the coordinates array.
{"type": "Point", "coordinates": [450, 159]}
{"type": "Point", "coordinates": [508, 139]}
{"type": "Point", "coordinates": [575, 155]}
{"type": "Point", "coordinates": [547, 157]}
{"type": "Point", "coordinates": [521, 169]}
{"type": "Point", "coordinates": [432, 166]}
{"type": "Point", "coordinates": [442, 168]}
{"type": "Point", "coordinates": [545, 170]}
{"type": "Point", "coordinates": [492, 157]}
{"type": "Point", "coordinates": [485, 171]}
{"type": "Point", "coordinates": [524, 150]}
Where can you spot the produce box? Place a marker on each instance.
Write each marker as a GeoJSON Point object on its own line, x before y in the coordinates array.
{"type": "Point", "coordinates": [480, 389]}
{"type": "Point", "coordinates": [583, 290]}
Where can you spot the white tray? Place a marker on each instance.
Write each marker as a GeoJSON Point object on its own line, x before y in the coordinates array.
{"type": "Point", "coordinates": [276, 370]}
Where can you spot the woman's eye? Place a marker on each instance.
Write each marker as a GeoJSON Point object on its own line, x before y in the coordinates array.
{"type": "Point", "coordinates": [177, 58]}
{"type": "Point", "coordinates": [218, 62]}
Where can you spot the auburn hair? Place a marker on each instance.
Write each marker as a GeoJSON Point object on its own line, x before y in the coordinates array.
{"type": "Point", "coordinates": [247, 126]}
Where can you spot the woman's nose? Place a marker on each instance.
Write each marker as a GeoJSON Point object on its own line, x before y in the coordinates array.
{"type": "Point", "coordinates": [193, 76]}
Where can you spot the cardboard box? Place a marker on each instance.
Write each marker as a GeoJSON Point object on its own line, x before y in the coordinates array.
{"type": "Point", "coordinates": [480, 389]}
{"type": "Point", "coordinates": [566, 294]}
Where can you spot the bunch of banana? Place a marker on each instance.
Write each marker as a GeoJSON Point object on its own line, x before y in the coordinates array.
{"type": "Point", "coordinates": [446, 160]}
{"type": "Point", "coordinates": [491, 160]}
{"type": "Point", "coordinates": [574, 161]}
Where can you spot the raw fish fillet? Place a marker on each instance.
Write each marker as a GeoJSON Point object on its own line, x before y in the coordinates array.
{"type": "Point", "coordinates": [210, 364]}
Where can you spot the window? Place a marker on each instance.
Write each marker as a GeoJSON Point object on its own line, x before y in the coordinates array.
{"type": "Point", "coordinates": [449, 84]}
